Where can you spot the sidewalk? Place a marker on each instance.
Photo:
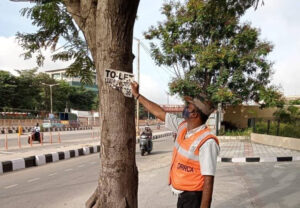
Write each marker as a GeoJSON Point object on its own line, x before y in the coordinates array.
{"type": "Point", "coordinates": [240, 150]}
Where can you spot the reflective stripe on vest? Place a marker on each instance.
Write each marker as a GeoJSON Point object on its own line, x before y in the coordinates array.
{"type": "Point", "coordinates": [190, 153]}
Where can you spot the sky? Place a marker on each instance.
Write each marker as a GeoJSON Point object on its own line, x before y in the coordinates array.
{"type": "Point", "coordinates": [277, 21]}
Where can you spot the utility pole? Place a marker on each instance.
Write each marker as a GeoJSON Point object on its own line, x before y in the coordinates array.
{"type": "Point", "coordinates": [167, 97]}
{"type": "Point", "coordinates": [218, 119]}
{"type": "Point", "coordinates": [51, 104]}
{"type": "Point", "coordinates": [138, 71]}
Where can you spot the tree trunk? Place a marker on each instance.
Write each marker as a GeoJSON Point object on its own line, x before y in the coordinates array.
{"type": "Point", "coordinates": [108, 28]}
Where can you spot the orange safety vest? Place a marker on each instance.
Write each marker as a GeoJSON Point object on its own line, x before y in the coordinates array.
{"type": "Point", "coordinates": [185, 172]}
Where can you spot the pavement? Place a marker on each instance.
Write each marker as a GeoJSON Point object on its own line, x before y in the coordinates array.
{"type": "Point", "coordinates": [247, 151]}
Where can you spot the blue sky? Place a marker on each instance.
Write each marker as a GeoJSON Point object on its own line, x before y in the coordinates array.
{"type": "Point", "coordinates": [277, 20]}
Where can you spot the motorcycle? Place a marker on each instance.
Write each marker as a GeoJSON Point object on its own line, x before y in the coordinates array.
{"type": "Point", "coordinates": [145, 144]}
{"type": "Point", "coordinates": [35, 136]}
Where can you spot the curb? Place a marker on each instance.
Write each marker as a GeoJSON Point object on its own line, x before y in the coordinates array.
{"type": "Point", "coordinates": [257, 159]}
{"type": "Point", "coordinates": [38, 160]}
{"type": "Point", "coordinates": [162, 135]}
{"type": "Point", "coordinates": [156, 136]}
{"type": "Point", "coordinates": [14, 130]}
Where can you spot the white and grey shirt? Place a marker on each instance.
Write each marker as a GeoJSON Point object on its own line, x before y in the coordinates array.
{"type": "Point", "coordinates": [208, 152]}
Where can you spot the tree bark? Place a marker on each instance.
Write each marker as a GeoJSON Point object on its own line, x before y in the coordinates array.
{"type": "Point", "coordinates": [108, 28]}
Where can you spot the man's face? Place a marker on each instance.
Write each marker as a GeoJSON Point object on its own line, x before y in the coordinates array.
{"type": "Point", "coordinates": [189, 111]}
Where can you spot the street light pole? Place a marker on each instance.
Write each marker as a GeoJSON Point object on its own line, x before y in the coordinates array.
{"type": "Point", "coordinates": [138, 70]}
{"type": "Point", "coordinates": [167, 97]}
{"type": "Point", "coordinates": [51, 104]}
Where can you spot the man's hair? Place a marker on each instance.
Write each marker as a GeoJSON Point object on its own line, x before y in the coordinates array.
{"type": "Point", "coordinates": [203, 117]}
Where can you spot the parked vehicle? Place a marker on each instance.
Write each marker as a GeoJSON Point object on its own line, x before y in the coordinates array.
{"type": "Point", "coordinates": [146, 144]}
{"type": "Point", "coordinates": [52, 123]}
{"type": "Point", "coordinates": [69, 119]}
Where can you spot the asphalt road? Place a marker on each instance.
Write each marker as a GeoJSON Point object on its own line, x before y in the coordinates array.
{"type": "Point", "coordinates": [69, 183]}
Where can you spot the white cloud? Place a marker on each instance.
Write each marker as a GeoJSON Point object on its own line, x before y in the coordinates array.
{"type": "Point", "coordinates": [278, 22]}
{"type": "Point", "coordinates": [153, 90]}
{"type": "Point", "coordinates": [11, 59]}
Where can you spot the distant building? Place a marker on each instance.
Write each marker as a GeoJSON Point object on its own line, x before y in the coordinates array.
{"type": "Point", "coordinates": [291, 98]}
{"type": "Point", "coordinates": [60, 74]}
{"type": "Point", "coordinates": [174, 109]}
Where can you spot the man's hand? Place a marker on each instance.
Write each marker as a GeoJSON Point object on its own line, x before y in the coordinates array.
{"type": "Point", "coordinates": [135, 88]}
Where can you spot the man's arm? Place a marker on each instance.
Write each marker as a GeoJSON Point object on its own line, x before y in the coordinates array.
{"type": "Point", "coordinates": [149, 105]}
{"type": "Point", "coordinates": [208, 162]}
{"type": "Point", "coordinates": [207, 191]}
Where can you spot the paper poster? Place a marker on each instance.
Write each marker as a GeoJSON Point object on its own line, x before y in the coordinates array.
{"type": "Point", "coordinates": [119, 80]}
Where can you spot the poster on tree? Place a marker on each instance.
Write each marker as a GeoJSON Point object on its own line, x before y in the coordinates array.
{"type": "Point", "coordinates": [119, 80]}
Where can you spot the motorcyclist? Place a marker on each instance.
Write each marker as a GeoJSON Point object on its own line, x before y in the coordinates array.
{"type": "Point", "coordinates": [148, 132]}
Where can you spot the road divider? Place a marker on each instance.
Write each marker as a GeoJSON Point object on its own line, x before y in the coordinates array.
{"type": "Point", "coordinates": [42, 159]}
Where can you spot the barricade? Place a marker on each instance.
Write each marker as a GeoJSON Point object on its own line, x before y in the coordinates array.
{"type": "Point", "coordinates": [19, 141]}
{"type": "Point", "coordinates": [41, 138]}
{"type": "Point", "coordinates": [30, 140]}
{"type": "Point", "coordinates": [6, 142]}
{"type": "Point", "coordinates": [59, 140]}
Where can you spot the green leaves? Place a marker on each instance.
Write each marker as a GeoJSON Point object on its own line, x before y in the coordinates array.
{"type": "Point", "coordinates": [26, 93]}
{"type": "Point", "coordinates": [55, 26]}
{"type": "Point", "coordinates": [212, 52]}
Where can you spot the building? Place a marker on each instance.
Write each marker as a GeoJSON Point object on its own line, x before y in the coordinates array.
{"type": "Point", "coordinates": [60, 74]}
{"type": "Point", "coordinates": [240, 116]}
{"type": "Point", "coordinates": [174, 109]}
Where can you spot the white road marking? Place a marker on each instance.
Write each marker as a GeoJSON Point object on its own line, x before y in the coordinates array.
{"type": "Point", "coordinates": [5, 152]}
{"type": "Point", "coordinates": [32, 180]}
{"type": "Point", "coordinates": [11, 186]}
{"type": "Point", "coordinates": [80, 166]}
{"type": "Point", "coordinates": [68, 169]}
{"type": "Point", "coordinates": [52, 174]}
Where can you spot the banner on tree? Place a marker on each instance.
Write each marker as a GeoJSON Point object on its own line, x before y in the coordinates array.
{"type": "Point", "coordinates": [119, 80]}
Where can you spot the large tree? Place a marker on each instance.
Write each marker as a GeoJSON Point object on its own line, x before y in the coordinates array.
{"type": "Point", "coordinates": [8, 84]}
{"type": "Point", "coordinates": [107, 27]}
{"type": "Point", "coordinates": [212, 53]}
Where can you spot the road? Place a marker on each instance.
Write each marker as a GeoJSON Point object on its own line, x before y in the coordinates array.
{"type": "Point", "coordinates": [67, 137]}
{"type": "Point", "coordinates": [69, 183]}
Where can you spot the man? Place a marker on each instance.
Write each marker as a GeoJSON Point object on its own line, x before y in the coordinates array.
{"type": "Point", "coordinates": [37, 130]}
{"type": "Point", "coordinates": [147, 131]}
{"type": "Point", "coordinates": [195, 152]}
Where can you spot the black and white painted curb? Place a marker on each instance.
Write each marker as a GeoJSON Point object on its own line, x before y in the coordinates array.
{"type": "Point", "coordinates": [38, 160]}
{"type": "Point", "coordinates": [258, 159]}
{"type": "Point", "coordinates": [15, 129]}
{"type": "Point", "coordinates": [157, 136]}
{"type": "Point", "coordinates": [162, 135]}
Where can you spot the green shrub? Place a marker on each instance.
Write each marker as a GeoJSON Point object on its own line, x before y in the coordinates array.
{"type": "Point", "coordinates": [239, 132]}
{"type": "Point", "coordinates": [286, 129]}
